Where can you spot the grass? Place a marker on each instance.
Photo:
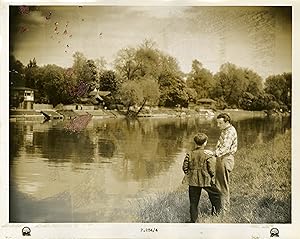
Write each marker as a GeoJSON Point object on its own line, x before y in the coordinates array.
{"type": "Point", "coordinates": [260, 190]}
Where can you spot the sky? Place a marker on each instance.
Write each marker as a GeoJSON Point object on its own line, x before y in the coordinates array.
{"type": "Point", "coordinates": [259, 38]}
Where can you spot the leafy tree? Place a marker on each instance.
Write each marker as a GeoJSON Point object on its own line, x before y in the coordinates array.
{"type": "Point", "coordinates": [100, 64]}
{"type": "Point", "coordinates": [280, 87]}
{"type": "Point", "coordinates": [109, 82]}
{"type": "Point", "coordinates": [126, 64]}
{"type": "Point", "coordinates": [253, 97]}
{"type": "Point", "coordinates": [273, 105]}
{"type": "Point", "coordinates": [200, 79]}
{"type": "Point", "coordinates": [137, 93]}
{"type": "Point", "coordinates": [85, 70]}
{"type": "Point", "coordinates": [134, 63]}
{"type": "Point", "coordinates": [148, 58]}
{"type": "Point", "coordinates": [52, 85]}
{"type": "Point", "coordinates": [90, 73]}
{"type": "Point", "coordinates": [31, 71]}
{"type": "Point", "coordinates": [72, 88]}
{"type": "Point", "coordinates": [79, 61]}
{"type": "Point", "coordinates": [246, 101]}
{"type": "Point", "coordinates": [276, 85]}
{"type": "Point", "coordinates": [254, 82]}
{"type": "Point", "coordinates": [173, 93]}
{"type": "Point", "coordinates": [150, 90]}
{"type": "Point", "coordinates": [172, 86]}
{"type": "Point", "coordinates": [130, 94]}
{"type": "Point", "coordinates": [238, 87]}
{"type": "Point", "coordinates": [147, 62]}
{"type": "Point", "coordinates": [192, 94]}
{"type": "Point", "coordinates": [220, 103]}
{"type": "Point", "coordinates": [230, 84]}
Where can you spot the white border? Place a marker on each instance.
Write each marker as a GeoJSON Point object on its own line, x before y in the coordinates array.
{"type": "Point", "coordinates": [133, 230]}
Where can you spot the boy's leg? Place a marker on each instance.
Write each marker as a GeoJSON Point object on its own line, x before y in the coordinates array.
{"type": "Point", "coordinates": [194, 195]}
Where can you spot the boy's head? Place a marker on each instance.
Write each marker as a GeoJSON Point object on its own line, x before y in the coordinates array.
{"type": "Point", "coordinates": [200, 138]}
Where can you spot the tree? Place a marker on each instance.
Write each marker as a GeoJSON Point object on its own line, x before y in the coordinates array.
{"type": "Point", "coordinates": [230, 84]}
{"type": "Point", "coordinates": [100, 64]}
{"type": "Point", "coordinates": [79, 61]}
{"type": "Point", "coordinates": [200, 79]}
{"type": "Point", "coordinates": [90, 74]}
{"type": "Point", "coordinates": [31, 72]}
{"type": "Point", "coordinates": [148, 58]}
{"type": "Point", "coordinates": [246, 101]}
{"type": "Point", "coordinates": [238, 87]}
{"type": "Point", "coordinates": [130, 94]}
{"type": "Point", "coordinates": [254, 82]}
{"type": "Point", "coordinates": [149, 97]}
{"type": "Point", "coordinates": [173, 92]}
{"type": "Point", "coordinates": [134, 63]}
{"type": "Point", "coordinates": [147, 62]}
{"type": "Point", "coordinates": [192, 94]}
{"type": "Point", "coordinates": [276, 85]}
{"type": "Point", "coordinates": [72, 89]}
{"type": "Point", "coordinates": [172, 86]}
{"type": "Point", "coordinates": [280, 87]}
{"type": "Point", "coordinates": [137, 93]}
{"type": "Point", "coordinates": [52, 85]}
{"type": "Point", "coordinates": [109, 82]}
{"type": "Point", "coordinates": [85, 70]}
{"type": "Point", "coordinates": [126, 64]}
{"type": "Point", "coordinates": [253, 97]}
{"type": "Point", "coordinates": [16, 72]}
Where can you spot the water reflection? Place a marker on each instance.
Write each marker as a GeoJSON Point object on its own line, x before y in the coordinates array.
{"type": "Point", "coordinates": [94, 173]}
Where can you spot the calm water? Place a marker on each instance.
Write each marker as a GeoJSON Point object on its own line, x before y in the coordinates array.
{"type": "Point", "coordinates": [97, 175]}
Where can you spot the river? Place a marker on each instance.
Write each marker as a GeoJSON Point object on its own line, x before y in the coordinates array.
{"type": "Point", "coordinates": [98, 174]}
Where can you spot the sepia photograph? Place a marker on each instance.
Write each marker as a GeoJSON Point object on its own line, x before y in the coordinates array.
{"type": "Point", "coordinates": [150, 115]}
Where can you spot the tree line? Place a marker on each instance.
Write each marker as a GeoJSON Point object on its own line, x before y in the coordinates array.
{"type": "Point", "coordinates": [145, 75]}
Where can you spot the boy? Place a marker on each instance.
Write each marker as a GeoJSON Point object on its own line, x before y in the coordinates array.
{"type": "Point", "coordinates": [199, 169]}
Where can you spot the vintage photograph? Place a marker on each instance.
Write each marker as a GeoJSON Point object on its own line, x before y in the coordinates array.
{"type": "Point", "coordinates": [150, 114]}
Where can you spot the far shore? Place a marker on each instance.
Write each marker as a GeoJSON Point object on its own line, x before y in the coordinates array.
{"type": "Point", "coordinates": [36, 115]}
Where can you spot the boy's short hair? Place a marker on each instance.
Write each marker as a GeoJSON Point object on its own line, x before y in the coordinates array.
{"type": "Point", "coordinates": [200, 138]}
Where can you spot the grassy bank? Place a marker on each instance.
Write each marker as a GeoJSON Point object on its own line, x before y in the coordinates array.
{"type": "Point", "coordinates": [260, 190]}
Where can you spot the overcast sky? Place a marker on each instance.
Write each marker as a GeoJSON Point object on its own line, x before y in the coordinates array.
{"type": "Point", "coordinates": [259, 38]}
